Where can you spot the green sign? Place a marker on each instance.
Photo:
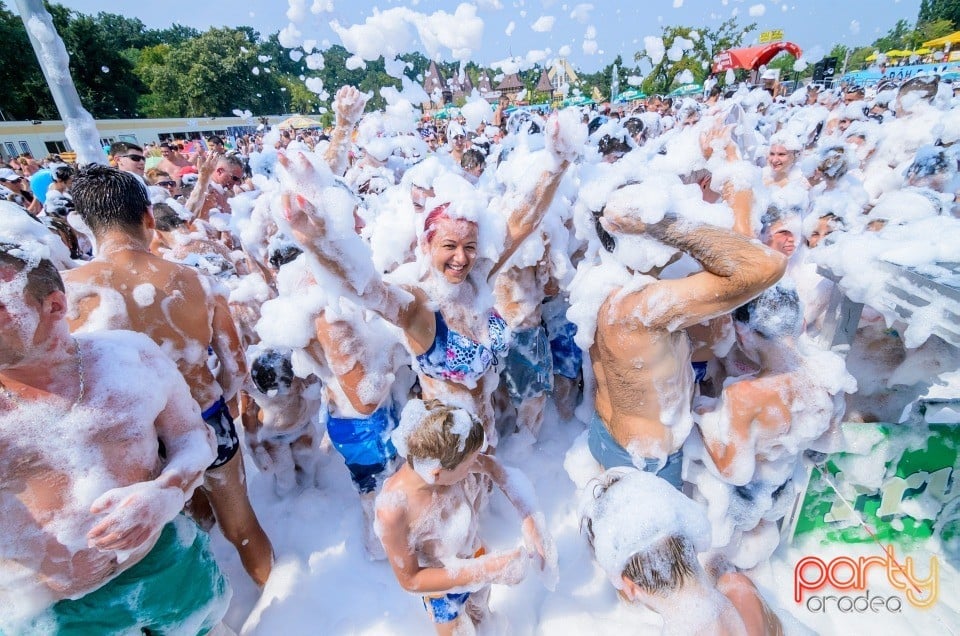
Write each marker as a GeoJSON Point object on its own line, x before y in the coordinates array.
{"type": "Point", "coordinates": [896, 484]}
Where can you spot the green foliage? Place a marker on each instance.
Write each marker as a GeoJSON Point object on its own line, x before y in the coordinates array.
{"type": "Point", "coordinates": [180, 72]}
{"type": "Point", "coordinates": [934, 10]}
{"type": "Point", "coordinates": [706, 44]}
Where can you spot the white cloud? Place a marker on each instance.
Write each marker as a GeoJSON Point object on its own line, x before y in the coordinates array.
{"type": "Point", "coordinates": [581, 13]}
{"type": "Point", "coordinates": [543, 24]}
{"type": "Point", "coordinates": [757, 10]}
{"type": "Point", "coordinates": [510, 28]}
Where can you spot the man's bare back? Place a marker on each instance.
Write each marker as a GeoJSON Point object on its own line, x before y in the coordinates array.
{"type": "Point", "coordinates": [170, 302]}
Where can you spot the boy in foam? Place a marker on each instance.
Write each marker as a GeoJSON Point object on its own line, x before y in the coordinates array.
{"type": "Point", "coordinates": [652, 558]}
{"type": "Point", "coordinates": [127, 287]}
{"type": "Point", "coordinates": [427, 516]}
{"type": "Point", "coordinates": [91, 537]}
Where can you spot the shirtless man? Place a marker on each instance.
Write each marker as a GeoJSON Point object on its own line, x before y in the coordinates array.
{"type": "Point", "coordinates": [641, 353]}
{"type": "Point", "coordinates": [217, 176]}
{"type": "Point", "coordinates": [654, 563]}
{"type": "Point", "coordinates": [427, 517]}
{"type": "Point", "coordinates": [172, 161]}
{"type": "Point", "coordinates": [128, 157]}
{"type": "Point", "coordinates": [91, 531]}
{"type": "Point", "coordinates": [128, 287]}
{"type": "Point", "coordinates": [762, 424]}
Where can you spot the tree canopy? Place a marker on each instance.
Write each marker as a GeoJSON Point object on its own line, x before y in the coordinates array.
{"type": "Point", "coordinates": [121, 68]}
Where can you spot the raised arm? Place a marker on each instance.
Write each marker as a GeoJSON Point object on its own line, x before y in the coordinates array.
{"type": "Point", "coordinates": [736, 269]}
{"type": "Point", "coordinates": [563, 143]}
{"type": "Point", "coordinates": [348, 105]}
{"type": "Point", "coordinates": [198, 196]}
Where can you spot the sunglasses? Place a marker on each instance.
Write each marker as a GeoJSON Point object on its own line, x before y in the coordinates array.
{"type": "Point", "coordinates": [134, 157]}
{"type": "Point", "coordinates": [166, 184]}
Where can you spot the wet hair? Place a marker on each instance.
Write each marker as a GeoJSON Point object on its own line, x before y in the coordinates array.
{"type": "Point", "coordinates": [925, 85]}
{"type": "Point", "coordinates": [62, 174]}
{"type": "Point", "coordinates": [108, 198]}
{"type": "Point", "coordinates": [775, 214]}
{"type": "Point", "coordinates": [609, 145]}
{"type": "Point", "coordinates": [595, 123]}
{"type": "Point", "coordinates": [215, 139]}
{"type": "Point", "coordinates": [928, 161]}
{"type": "Point", "coordinates": [606, 238]}
{"type": "Point", "coordinates": [272, 370]}
{"type": "Point", "coordinates": [123, 147]}
{"type": "Point", "coordinates": [232, 160]}
{"type": "Point", "coordinates": [166, 218]}
{"type": "Point", "coordinates": [472, 158]}
{"type": "Point", "coordinates": [665, 565]}
{"type": "Point", "coordinates": [833, 162]}
{"type": "Point", "coordinates": [42, 280]}
{"type": "Point", "coordinates": [634, 125]}
{"type": "Point", "coordinates": [284, 254]}
{"type": "Point", "coordinates": [435, 437]}
{"type": "Point", "coordinates": [773, 314]}
{"type": "Point", "coordinates": [166, 146]}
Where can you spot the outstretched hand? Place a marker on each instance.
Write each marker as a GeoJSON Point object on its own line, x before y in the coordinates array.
{"type": "Point", "coordinates": [566, 136]}
{"type": "Point", "coordinates": [348, 104]}
{"type": "Point", "coordinates": [719, 135]}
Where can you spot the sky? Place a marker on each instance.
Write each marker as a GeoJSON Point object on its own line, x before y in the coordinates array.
{"type": "Point", "coordinates": [545, 27]}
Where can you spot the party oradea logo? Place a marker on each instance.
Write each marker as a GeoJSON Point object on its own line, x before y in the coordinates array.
{"type": "Point", "coordinates": [843, 584]}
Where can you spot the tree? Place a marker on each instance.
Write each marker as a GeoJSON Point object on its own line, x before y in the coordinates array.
{"type": "Point", "coordinates": [706, 44]}
{"type": "Point", "coordinates": [933, 10]}
{"type": "Point", "coordinates": [25, 94]}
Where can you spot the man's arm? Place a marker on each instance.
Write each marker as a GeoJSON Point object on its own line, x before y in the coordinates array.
{"type": "Point", "coordinates": [198, 196]}
{"type": "Point", "coordinates": [134, 513]}
{"type": "Point", "coordinates": [226, 345]}
{"type": "Point", "coordinates": [728, 436]}
{"type": "Point", "coordinates": [736, 269]}
{"type": "Point", "coordinates": [348, 104]}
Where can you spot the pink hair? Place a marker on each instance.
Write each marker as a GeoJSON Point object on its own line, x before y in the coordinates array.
{"type": "Point", "coordinates": [430, 222]}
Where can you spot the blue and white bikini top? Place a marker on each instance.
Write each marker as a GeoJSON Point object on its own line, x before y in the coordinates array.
{"type": "Point", "coordinates": [453, 356]}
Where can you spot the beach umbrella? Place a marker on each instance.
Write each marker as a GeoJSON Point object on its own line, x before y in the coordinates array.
{"type": "Point", "coordinates": [687, 89]}
{"type": "Point", "coordinates": [299, 121]}
{"type": "Point", "coordinates": [578, 100]}
{"type": "Point", "coordinates": [447, 113]}
{"type": "Point", "coordinates": [953, 38]}
{"type": "Point", "coordinates": [630, 95]}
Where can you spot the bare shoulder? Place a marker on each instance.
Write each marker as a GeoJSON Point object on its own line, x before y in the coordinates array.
{"type": "Point", "coordinates": [120, 347]}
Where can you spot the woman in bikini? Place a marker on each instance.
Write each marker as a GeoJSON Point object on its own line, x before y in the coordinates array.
{"type": "Point", "coordinates": [447, 316]}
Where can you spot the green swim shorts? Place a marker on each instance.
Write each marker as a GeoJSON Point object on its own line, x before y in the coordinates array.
{"type": "Point", "coordinates": [176, 589]}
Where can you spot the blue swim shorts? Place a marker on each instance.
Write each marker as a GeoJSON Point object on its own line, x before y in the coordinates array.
{"type": "Point", "coordinates": [609, 453]}
{"type": "Point", "coordinates": [365, 445]}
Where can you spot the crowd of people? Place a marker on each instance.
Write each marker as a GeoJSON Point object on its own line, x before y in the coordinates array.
{"type": "Point", "coordinates": [407, 293]}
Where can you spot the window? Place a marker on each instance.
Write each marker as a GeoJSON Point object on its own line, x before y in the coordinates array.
{"type": "Point", "coordinates": [25, 148]}
{"type": "Point", "coordinates": [130, 139]}
{"type": "Point", "coordinates": [106, 141]}
{"type": "Point", "coordinates": [9, 150]}
{"type": "Point", "coordinates": [55, 147]}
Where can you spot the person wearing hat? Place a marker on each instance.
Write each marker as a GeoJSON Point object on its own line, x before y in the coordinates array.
{"type": "Point", "coordinates": [12, 190]}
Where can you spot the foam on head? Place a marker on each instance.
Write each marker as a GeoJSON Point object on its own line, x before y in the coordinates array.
{"type": "Point", "coordinates": [609, 508]}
